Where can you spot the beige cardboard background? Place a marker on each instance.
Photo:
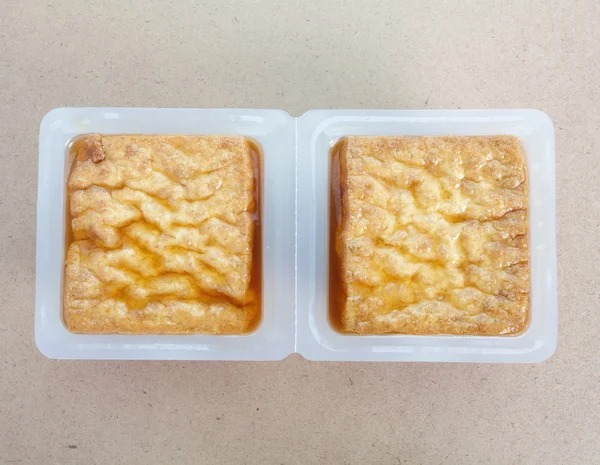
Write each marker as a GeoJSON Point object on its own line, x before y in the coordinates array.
{"type": "Point", "coordinates": [298, 55]}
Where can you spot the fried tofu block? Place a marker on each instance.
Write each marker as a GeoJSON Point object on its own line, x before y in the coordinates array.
{"type": "Point", "coordinates": [433, 236]}
{"type": "Point", "coordinates": [163, 235]}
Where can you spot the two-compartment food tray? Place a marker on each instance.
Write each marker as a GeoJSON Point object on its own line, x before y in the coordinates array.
{"type": "Point", "coordinates": [295, 245]}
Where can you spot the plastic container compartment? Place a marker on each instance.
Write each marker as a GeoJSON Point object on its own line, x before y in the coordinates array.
{"type": "Point", "coordinates": [295, 216]}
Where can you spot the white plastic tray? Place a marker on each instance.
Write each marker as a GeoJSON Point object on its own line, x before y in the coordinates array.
{"type": "Point", "coordinates": [295, 241]}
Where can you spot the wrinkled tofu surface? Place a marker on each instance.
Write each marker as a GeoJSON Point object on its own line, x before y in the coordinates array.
{"type": "Point", "coordinates": [162, 235]}
{"type": "Point", "coordinates": [433, 237]}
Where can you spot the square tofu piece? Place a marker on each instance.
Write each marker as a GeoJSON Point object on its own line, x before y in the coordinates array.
{"type": "Point", "coordinates": [433, 236]}
{"type": "Point", "coordinates": [162, 235]}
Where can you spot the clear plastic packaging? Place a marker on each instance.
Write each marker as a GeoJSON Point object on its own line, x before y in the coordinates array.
{"type": "Point", "coordinates": [295, 234]}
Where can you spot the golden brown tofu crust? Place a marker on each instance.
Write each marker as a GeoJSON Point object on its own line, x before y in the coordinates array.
{"type": "Point", "coordinates": [434, 235]}
{"type": "Point", "coordinates": [163, 235]}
